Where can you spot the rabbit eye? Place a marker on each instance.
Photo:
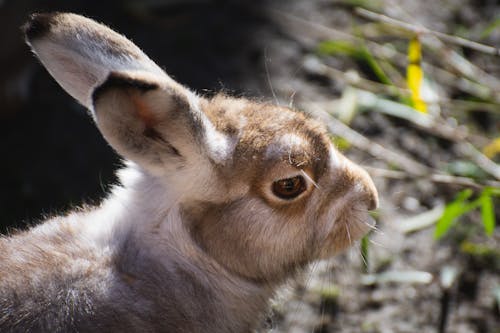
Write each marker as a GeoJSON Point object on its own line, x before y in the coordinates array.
{"type": "Point", "coordinates": [289, 188]}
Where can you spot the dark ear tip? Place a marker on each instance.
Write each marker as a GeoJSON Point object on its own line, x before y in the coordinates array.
{"type": "Point", "coordinates": [118, 80]}
{"type": "Point", "coordinates": [38, 24]}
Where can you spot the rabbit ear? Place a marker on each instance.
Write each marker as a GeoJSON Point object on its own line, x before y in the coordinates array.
{"type": "Point", "coordinates": [144, 114]}
{"type": "Point", "coordinates": [156, 123]}
{"type": "Point", "coordinates": [80, 53]}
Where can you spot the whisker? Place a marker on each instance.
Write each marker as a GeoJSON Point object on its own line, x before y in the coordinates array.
{"type": "Point", "coordinates": [378, 244]}
{"type": "Point", "coordinates": [290, 104]}
{"type": "Point", "coordinates": [374, 228]}
{"type": "Point", "coordinates": [301, 163]}
{"type": "Point", "coordinates": [346, 225]}
{"type": "Point", "coordinates": [310, 179]}
{"type": "Point", "coordinates": [365, 262]}
{"type": "Point", "coordinates": [268, 77]}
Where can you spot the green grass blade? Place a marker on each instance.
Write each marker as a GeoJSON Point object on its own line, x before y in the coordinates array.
{"type": "Point", "coordinates": [364, 253]}
{"type": "Point", "coordinates": [487, 214]}
{"type": "Point", "coordinates": [357, 51]}
{"type": "Point", "coordinates": [490, 28]}
{"type": "Point", "coordinates": [452, 211]}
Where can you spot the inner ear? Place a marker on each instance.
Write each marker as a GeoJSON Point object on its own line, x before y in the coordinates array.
{"type": "Point", "coordinates": [136, 115]}
{"type": "Point", "coordinates": [135, 90]}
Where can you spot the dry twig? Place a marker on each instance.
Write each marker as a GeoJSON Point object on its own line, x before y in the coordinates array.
{"type": "Point", "coordinates": [436, 178]}
{"type": "Point", "coordinates": [308, 33]}
{"type": "Point", "coordinates": [480, 159]}
{"type": "Point", "coordinates": [423, 30]}
{"type": "Point", "coordinates": [431, 125]}
{"type": "Point", "coordinates": [365, 144]}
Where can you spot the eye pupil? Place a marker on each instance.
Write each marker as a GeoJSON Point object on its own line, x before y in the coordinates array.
{"type": "Point", "coordinates": [289, 188]}
{"type": "Point", "coordinates": [288, 185]}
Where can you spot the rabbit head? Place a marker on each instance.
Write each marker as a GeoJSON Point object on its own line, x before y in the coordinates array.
{"type": "Point", "coordinates": [260, 188]}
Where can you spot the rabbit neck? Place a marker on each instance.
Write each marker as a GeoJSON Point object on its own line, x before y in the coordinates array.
{"type": "Point", "coordinates": [141, 221]}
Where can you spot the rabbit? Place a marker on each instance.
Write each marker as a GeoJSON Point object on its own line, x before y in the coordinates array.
{"type": "Point", "coordinates": [220, 201]}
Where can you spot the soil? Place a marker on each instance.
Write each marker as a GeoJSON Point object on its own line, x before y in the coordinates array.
{"type": "Point", "coordinates": [55, 159]}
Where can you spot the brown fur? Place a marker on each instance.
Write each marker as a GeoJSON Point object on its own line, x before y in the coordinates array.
{"type": "Point", "coordinates": [194, 239]}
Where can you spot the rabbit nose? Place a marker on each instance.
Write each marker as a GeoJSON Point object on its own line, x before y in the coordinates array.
{"type": "Point", "coordinates": [364, 186]}
{"type": "Point", "coordinates": [371, 192]}
{"type": "Point", "coordinates": [368, 189]}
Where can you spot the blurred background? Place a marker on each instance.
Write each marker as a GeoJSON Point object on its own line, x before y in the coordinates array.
{"type": "Point", "coordinates": [409, 89]}
{"type": "Point", "coordinates": [54, 157]}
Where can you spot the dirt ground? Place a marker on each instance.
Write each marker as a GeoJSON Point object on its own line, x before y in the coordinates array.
{"type": "Point", "coordinates": [55, 159]}
{"type": "Point", "coordinates": [333, 298]}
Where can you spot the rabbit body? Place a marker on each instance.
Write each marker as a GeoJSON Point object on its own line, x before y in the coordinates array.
{"type": "Point", "coordinates": [221, 200]}
{"type": "Point", "coordinates": [80, 274]}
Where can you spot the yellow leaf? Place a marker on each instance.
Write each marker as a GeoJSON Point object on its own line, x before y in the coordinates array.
{"type": "Point", "coordinates": [415, 75]}
{"type": "Point", "coordinates": [492, 149]}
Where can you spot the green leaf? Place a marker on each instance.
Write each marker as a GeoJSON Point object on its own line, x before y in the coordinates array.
{"type": "Point", "coordinates": [480, 250]}
{"type": "Point", "coordinates": [374, 5]}
{"type": "Point", "coordinates": [341, 143]}
{"type": "Point", "coordinates": [374, 66]}
{"type": "Point", "coordinates": [462, 205]}
{"type": "Point", "coordinates": [337, 47]}
{"type": "Point", "coordinates": [357, 51]}
{"type": "Point", "coordinates": [452, 211]}
{"type": "Point", "coordinates": [492, 149]}
{"type": "Point", "coordinates": [492, 191]}
{"type": "Point", "coordinates": [490, 28]}
{"type": "Point", "coordinates": [364, 253]}
{"type": "Point", "coordinates": [465, 169]}
{"type": "Point", "coordinates": [487, 213]}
